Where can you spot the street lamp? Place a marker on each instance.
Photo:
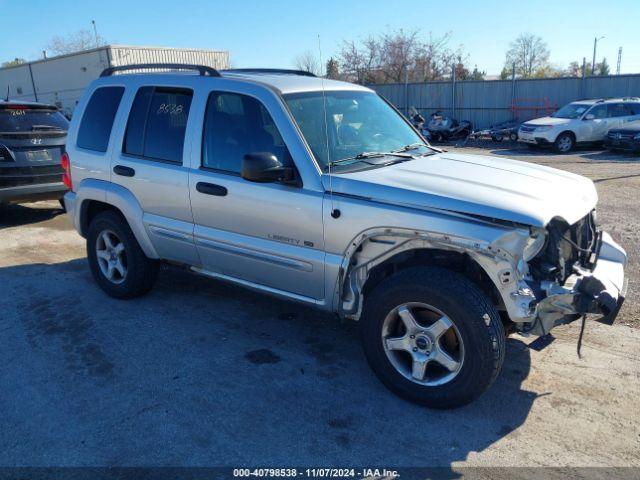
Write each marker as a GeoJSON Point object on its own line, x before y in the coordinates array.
{"type": "Point", "coordinates": [593, 63]}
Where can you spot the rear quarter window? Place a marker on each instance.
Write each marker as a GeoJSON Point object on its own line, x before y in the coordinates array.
{"type": "Point", "coordinates": [97, 120]}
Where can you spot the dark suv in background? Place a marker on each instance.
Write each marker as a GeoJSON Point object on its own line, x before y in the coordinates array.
{"type": "Point", "coordinates": [32, 140]}
{"type": "Point", "coordinates": [626, 138]}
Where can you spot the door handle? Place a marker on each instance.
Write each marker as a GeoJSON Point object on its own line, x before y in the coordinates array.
{"type": "Point", "coordinates": [211, 189]}
{"type": "Point", "coordinates": [124, 171]}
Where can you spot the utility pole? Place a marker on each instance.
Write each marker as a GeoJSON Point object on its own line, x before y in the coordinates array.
{"type": "Point", "coordinates": [95, 32]}
{"type": "Point", "coordinates": [593, 63]}
{"type": "Point", "coordinates": [619, 61]}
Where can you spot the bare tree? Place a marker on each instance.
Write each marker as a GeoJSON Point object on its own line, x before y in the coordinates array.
{"type": "Point", "coordinates": [399, 55]}
{"type": "Point", "coordinates": [528, 53]}
{"type": "Point", "coordinates": [308, 62]}
{"type": "Point", "coordinates": [74, 42]}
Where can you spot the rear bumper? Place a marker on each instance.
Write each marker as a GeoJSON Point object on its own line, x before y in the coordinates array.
{"type": "Point", "coordinates": [70, 204]}
{"type": "Point", "coordinates": [32, 193]}
{"type": "Point", "coordinates": [601, 291]}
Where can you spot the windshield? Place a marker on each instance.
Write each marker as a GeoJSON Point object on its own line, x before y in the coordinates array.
{"type": "Point", "coordinates": [24, 119]}
{"type": "Point", "coordinates": [357, 123]}
{"type": "Point", "coordinates": [573, 110]}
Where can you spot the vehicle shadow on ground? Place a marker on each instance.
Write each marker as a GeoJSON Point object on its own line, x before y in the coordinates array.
{"type": "Point", "coordinates": [201, 373]}
{"type": "Point", "coordinates": [609, 156]}
{"type": "Point", "coordinates": [19, 215]}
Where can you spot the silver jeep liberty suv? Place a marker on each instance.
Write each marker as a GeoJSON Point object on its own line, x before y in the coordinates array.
{"type": "Point", "coordinates": [319, 191]}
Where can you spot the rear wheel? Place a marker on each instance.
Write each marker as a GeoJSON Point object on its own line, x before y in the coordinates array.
{"type": "Point", "coordinates": [117, 262]}
{"type": "Point", "coordinates": [432, 337]}
{"type": "Point", "coordinates": [564, 143]}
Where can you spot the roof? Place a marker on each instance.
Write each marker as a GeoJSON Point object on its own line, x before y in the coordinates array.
{"type": "Point", "coordinates": [592, 101]}
{"type": "Point", "coordinates": [291, 83]}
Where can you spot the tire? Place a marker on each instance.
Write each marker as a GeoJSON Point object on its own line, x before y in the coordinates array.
{"type": "Point", "coordinates": [497, 138]}
{"type": "Point", "coordinates": [513, 136]}
{"type": "Point", "coordinates": [475, 323]}
{"type": "Point", "coordinates": [140, 272]}
{"type": "Point", "coordinates": [564, 143]}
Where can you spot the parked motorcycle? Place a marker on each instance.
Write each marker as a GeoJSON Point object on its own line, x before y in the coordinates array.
{"type": "Point", "coordinates": [443, 129]}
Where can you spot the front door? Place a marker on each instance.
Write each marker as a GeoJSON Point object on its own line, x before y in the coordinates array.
{"type": "Point", "coordinates": [268, 235]}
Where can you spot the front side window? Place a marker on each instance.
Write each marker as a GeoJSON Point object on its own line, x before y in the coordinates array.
{"type": "Point", "coordinates": [97, 120]}
{"type": "Point", "coordinates": [356, 123]}
{"type": "Point", "coordinates": [599, 111]}
{"type": "Point", "coordinates": [157, 123]}
{"type": "Point", "coordinates": [234, 126]}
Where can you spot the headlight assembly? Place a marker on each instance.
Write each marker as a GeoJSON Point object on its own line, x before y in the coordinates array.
{"type": "Point", "coordinates": [544, 128]}
{"type": "Point", "coordinates": [534, 244]}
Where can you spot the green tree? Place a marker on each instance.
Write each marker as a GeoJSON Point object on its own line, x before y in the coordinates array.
{"type": "Point", "coordinates": [14, 62]}
{"type": "Point", "coordinates": [505, 74]}
{"type": "Point", "coordinates": [603, 67]}
{"type": "Point", "coordinates": [332, 69]}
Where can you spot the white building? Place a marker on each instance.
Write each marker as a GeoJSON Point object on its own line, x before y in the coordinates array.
{"type": "Point", "coordinates": [61, 80]}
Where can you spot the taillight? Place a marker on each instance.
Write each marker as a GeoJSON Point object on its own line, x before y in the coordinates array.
{"type": "Point", "coordinates": [66, 166]}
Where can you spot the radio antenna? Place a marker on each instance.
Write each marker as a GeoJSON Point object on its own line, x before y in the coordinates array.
{"type": "Point", "coordinates": [335, 213]}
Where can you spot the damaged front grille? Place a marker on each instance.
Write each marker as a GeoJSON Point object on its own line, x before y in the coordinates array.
{"type": "Point", "coordinates": [566, 246]}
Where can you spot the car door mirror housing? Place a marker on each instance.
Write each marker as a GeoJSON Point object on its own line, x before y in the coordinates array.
{"type": "Point", "coordinates": [589, 116]}
{"type": "Point", "coordinates": [264, 167]}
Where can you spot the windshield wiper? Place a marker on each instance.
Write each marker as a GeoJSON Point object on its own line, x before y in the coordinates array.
{"type": "Point", "coordinates": [415, 146]}
{"type": "Point", "coordinates": [365, 155]}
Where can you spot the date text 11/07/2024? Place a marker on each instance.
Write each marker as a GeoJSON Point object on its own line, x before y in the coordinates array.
{"type": "Point", "coordinates": [315, 472]}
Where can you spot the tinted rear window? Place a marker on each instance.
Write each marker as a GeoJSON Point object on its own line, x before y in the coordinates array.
{"type": "Point", "coordinates": [97, 121]}
{"type": "Point", "coordinates": [16, 118]}
{"type": "Point", "coordinates": [157, 123]}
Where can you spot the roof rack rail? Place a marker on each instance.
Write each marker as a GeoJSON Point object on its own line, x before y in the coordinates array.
{"type": "Point", "coordinates": [204, 70]}
{"type": "Point", "coordinates": [285, 71]}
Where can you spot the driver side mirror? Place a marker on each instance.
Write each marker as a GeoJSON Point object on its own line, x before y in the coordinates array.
{"type": "Point", "coordinates": [264, 167]}
{"type": "Point", "coordinates": [589, 116]}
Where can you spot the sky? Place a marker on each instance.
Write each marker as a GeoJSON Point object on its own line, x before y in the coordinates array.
{"type": "Point", "coordinates": [272, 33]}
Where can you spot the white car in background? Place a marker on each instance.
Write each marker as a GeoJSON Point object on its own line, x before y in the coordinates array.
{"type": "Point", "coordinates": [584, 121]}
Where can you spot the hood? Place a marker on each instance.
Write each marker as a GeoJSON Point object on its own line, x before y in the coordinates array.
{"type": "Point", "coordinates": [475, 184]}
{"type": "Point", "coordinates": [548, 121]}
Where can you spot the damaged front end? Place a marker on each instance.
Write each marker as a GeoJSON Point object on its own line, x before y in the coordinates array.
{"type": "Point", "coordinates": [578, 271]}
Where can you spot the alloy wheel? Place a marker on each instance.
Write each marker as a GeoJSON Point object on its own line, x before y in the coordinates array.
{"type": "Point", "coordinates": [422, 344]}
{"type": "Point", "coordinates": [111, 256]}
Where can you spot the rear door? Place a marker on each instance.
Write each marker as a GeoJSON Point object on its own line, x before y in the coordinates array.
{"type": "Point", "coordinates": [32, 139]}
{"type": "Point", "coordinates": [619, 114]}
{"type": "Point", "coordinates": [149, 162]}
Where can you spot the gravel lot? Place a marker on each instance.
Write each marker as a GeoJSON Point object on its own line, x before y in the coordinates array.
{"type": "Point", "coordinates": [202, 373]}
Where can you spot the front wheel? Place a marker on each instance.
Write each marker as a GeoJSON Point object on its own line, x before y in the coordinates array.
{"type": "Point", "coordinates": [432, 337]}
{"type": "Point", "coordinates": [564, 143]}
